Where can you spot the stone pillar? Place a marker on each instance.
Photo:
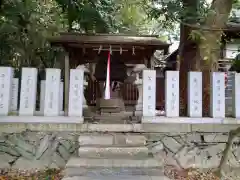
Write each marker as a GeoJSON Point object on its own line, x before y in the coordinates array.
{"type": "Point", "coordinates": [76, 93]}
{"type": "Point", "coordinates": [139, 82]}
{"type": "Point", "coordinates": [139, 105]}
{"type": "Point", "coordinates": [85, 69]}
{"type": "Point", "coordinates": [149, 94]}
{"type": "Point", "coordinates": [6, 76]}
{"type": "Point", "coordinates": [217, 102]}
{"type": "Point", "coordinates": [52, 92]}
{"type": "Point", "coordinates": [28, 92]}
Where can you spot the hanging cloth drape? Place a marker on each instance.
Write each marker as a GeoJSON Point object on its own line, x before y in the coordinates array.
{"type": "Point", "coordinates": [107, 82]}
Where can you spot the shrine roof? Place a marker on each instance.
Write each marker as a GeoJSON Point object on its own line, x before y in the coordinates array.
{"type": "Point", "coordinates": [107, 39]}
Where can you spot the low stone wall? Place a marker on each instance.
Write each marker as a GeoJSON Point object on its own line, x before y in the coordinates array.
{"type": "Point", "coordinates": [196, 150]}
{"type": "Point", "coordinates": [34, 149]}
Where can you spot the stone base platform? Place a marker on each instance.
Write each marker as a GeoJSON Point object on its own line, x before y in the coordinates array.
{"type": "Point", "coordinates": [41, 145]}
{"type": "Point", "coordinates": [13, 124]}
{"type": "Point", "coordinates": [117, 178]}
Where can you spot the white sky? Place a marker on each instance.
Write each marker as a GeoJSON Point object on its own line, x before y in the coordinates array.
{"type": "Point", "coordinates": [209, 1]}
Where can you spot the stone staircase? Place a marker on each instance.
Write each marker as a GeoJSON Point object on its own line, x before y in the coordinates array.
{"type": "Point", "coordinates": [113, 157]}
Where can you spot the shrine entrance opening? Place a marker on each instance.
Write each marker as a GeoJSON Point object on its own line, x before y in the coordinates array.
{"type": "Point", "coordinates": [129, 56]}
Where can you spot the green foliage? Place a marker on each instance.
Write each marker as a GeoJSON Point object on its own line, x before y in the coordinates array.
{"type": "Point", "coordinates": [104, 16]}
{"type": "Point", "coordinates": [236, 64]}
{"type": "Point", "coordinates": [93, 16]}
{"type": "Point", "coordinates": [24, 28]}
{"type": "Point", "coordinates": [170, 12]}
{"type": "Point", "coordinates": [26, 24]}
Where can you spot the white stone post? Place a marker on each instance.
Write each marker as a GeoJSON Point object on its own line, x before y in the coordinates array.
{"type": "Point", "coordinates": [28, 92]}
{"type": "Point", "coordinates": [149, 93]}
{"type": "Point", "coordinates": [236, 95]}
{"type": "Point", "coordinates": [52, 92]}
{"type": "Point", "coordinates": [6, 75]}
{"type": "Point", "coordinates": [217, 100]}
{"type": "Point", "coordinates": [172, 93]}
{"type": "Point", "coordinates": [195, 94]}
{"type": "Point", "coordinates": [42, 96]}
{"type": "Point", "coordinates": [14, 101]}
{"type": "Point", "coordinates": [76, 93]}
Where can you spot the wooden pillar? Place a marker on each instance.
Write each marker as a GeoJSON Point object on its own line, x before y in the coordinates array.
{"type": "Point", "coordinates": [66, 83]}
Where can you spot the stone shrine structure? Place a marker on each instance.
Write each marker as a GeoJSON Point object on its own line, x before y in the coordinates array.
{"type": "Point", "coordinates": [87, 149]}
{"type": "Point", "coordinates": [128, 53]}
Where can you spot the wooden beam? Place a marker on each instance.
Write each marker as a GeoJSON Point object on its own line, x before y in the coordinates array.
{"type": "Point", "coordinates": [66, 83]}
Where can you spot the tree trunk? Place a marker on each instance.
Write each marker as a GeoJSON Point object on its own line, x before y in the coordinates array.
{"type": "Point", "coordinates": [210, 45]}
{"type": "Point", "coordinates": [187, 53]}
{"type": "Point", "coordinates": [204, 55]}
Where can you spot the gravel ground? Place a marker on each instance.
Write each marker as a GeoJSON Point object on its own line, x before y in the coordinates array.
{"type": "Point", "coordinates": [50, 174]}
{"type": "Point", "coordinates": [190, 174]}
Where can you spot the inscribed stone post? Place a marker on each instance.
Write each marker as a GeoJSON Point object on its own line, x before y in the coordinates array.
{"type": "Point", "coordinates": [149, 93]}
{"type": "Point", "coordinates": [28, 92]}
{"type": "Point", "coordinates": [236, 95]}
{"type": "Point", "coordinates": [14, 101]}
{"type": "Point", "coordinates": [42, 95]}
{"type": "Point", "coordinates": [195, 94]}
{"type": "Point", "coordinates": [6, 75]}
{"type": "Point", "coordinates": [172, 93]}
{"type": "Point", "coordinates": [52, 91]}
{"type": "Point", "coordinates": [217, 100]}
{"type": "Point", "coordinates": [76, 93]}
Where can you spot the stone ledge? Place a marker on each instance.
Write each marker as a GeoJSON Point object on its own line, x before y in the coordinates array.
{"type": "Point", "coordinates": [118, 128]}
{"type": "Point", "coordinates": [12, 124]}
{"type": "Point", "coordinates": [190, 120]}
{"type": "Point", "coordinates": [145, 120]}
{"type": "Point", "coordinates": [40, 119]}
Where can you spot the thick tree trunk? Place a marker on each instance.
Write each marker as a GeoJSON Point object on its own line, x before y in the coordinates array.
{"type": "Point", "coordinates": [187, 53]}
{"type": "Point", "coordinates": [210, 47]}
{"type": "Point", "coordinates": [204, 55]}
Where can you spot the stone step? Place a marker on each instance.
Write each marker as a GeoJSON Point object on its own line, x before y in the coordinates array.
{"type": "Point", "coordinates": [96, 152]}
{"type": "Point", "coordinates": [109, 140]}
{"type": "Point", "coordinates": [69, 172]}
{"type": "Point", "coordinates": [111, 163]}
{"type": "Point", "coordinates": [87, 167]}
{"type": "Point", "coordinates": [117, 178]}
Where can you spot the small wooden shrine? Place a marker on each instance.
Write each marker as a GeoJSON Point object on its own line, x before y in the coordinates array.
{"type": "Point", "coordinates": [129, 55]}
